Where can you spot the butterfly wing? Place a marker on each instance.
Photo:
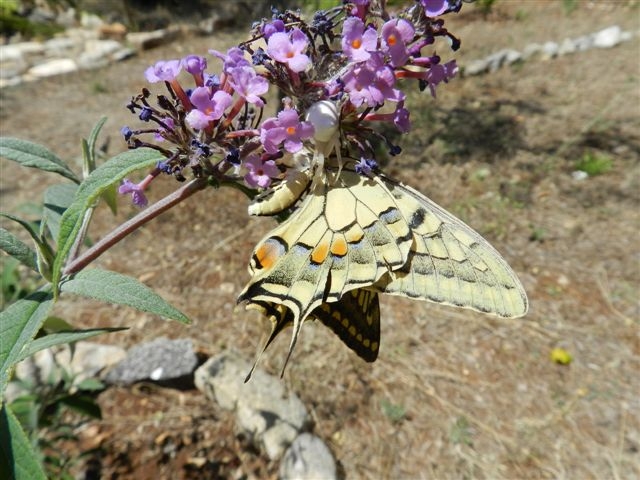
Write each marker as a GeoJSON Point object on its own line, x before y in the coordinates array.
{"type": "Point", "coordinates": [347, 234]}
{"type": "Point", "coordinates": [449, 262]}
{"type": "Point", "coordinates": [355, 318]}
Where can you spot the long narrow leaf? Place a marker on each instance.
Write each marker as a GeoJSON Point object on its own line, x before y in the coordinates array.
{"type": "Point", "coordinates": [18, 460]}
{"type": "Point", "coordinates": [120, 289]}
{"type": "Point", "coordinates": [89, 191]}
{"type": "Point", "coordinates": [93, 137]}
{"type": "Point", "coordinates": [19, 323]}
{"type": "Point", "coordinates": [44, 251]}
{"type": "Point", "coordinates": [19, 250]}
{"type": "Point", "coordinates": [33, 155]}
{"type": "Point", "coordinates": [60, 338]}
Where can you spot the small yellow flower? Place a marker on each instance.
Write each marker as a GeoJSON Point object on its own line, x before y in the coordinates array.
{"type": "Point", "coordinates": [561, 356]}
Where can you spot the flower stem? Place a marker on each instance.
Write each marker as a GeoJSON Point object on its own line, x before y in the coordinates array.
{"type": "Point", "coordinates": [136, 222]}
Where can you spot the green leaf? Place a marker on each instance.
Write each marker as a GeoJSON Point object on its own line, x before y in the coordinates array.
{"type": "Point", "coordinates": [120, 289]}
{"type": "Point", "coordinates": [19, 250]}
{"type": "Point", "coordinates": [93, 137]}
{"type": "Point", "coordinates": [44, 251]}
{"type": "Point", "coordinates": [19, 323]}
{"type": "Point", "coordinates": [57, 199]}
{"type": "Point", "coordinates": [93, 186]}
{"type": "Point", "coordinates": [110, 196]}
{"type": "Point", "coordinates": [59, 338]}
{"type": "Point", "coordinates": [90, 385]}
{"type": "Point", "coordinates": [18, 460]}
{"type": "Point", "coordinates": [55, 324]}
{"type": "Point", "coordinates": [32, 155]}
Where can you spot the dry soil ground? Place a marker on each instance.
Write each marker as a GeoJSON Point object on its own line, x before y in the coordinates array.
{"type": "Point", "coordinates": [453, 394]}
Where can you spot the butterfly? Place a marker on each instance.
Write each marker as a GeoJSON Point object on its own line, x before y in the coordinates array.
{"type": "Point", "coordinates": [354, 236]}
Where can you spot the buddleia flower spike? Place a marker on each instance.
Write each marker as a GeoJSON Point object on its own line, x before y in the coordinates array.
{"type": "Point", "coordinates": [347, 232]}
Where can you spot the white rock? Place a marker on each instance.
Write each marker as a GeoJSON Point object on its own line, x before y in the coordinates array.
{"type": "Point", "coordinates": [567, 46]}
{"type": "Point", "coordinates": [56, 66]}
{"type": "Point", "coordinates": [123, 54]}
{"type": "Point", "coordinates": [531, 50]}
{"type": "Point", "coordinates": [265, 411]}
{"type": "Point", "coordinates": [607, 38]}
{"type": "Point", "coordinates": [585, 42]}
{"type": "Point", "coordinates": [90, 21]}
{"type": "Point", "coordinates": [549, 50]}
{"type": "Point", "coordinates": [21, 48]}
{"type": "Point", "coordinates": [67, 18]}
{"type": "Point", "coordinates": [308, 458]}
{"type": "Point", "coordinates": [579, 175]}
{"type": "Point", "coordinates": [10, 82]}
{"type": "Point", "coordinates": [512, 56]}
{"type": "Point", "coordinates": [97, 53]}
{"type": "Point", "coordinates": [476, 67]}
{"type": "Point", "coordinates": [102, 47]}
{"type": "Point", "coordinates": [61, 45]}
{"type": "Point", "coordinates": [89, 359]}
{"type": "Point", "coordinates": [147, 40]}
{"type": "Point", "coordinates": [12, 63]}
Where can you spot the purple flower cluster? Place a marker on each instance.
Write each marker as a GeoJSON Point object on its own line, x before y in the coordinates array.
{"type": "Point", "coordinates": [356, 56]}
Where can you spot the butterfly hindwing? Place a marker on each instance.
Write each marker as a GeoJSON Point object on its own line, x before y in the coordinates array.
{"type": "Point", "coordinates": [450, 263]}
{"type": "Point", "coordinates": [355, 318]}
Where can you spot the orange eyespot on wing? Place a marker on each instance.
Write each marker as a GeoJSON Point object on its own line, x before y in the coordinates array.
{"type": "Point", "coordinates": [268, 253]}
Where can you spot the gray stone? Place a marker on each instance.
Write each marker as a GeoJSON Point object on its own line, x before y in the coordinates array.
{"type": "Point", "coordinates": [12, 62]}
{"type": "Point", "coordinates": [169, 362]}
{"type": "Point", "coordinates": [265, 411]}
{"type": "Point", "coordinates": [90, 21]}
{"type": "Point", "coordinates": [476, 67]}
{"type": "Point", "coordinates": [98, 53]}
{"type": "Point", "coordinates": [566, 47]}
{"type": "Point", "coordinates": [512, 56]}
{"type": "Point", "coordinates": [531, 50]}
{"type": "Point", "coordinates": [585, 42]}
{"type": "Point", "coordinates": [308, 458]}
{"type": "Point", "coordinates": [579, 175]}
{"type": "Point", "coordinates": [148, 40]}
{"type": "Point", "coordinates": [89, 359]}
{"type": "Point", "coordinates": [608, 37]}
{"type": "Point", "coordinates": [123, 54]}
{"type": "Point", "coordinates": [21, 48]}
{"type": "Point", "coordinates": [61, 46]}
{"type": "Point", "coordinates": [52, 67]}
{"type": "Point", "coordinates": [549, 50]}
{"type": "Point", "coordinates": [81, 361]}
{"type": "Point", "coordinates": [10, 82]}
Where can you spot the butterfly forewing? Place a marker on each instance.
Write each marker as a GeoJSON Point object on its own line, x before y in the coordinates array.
{"type": "Point", "coordinates": [344, 236]}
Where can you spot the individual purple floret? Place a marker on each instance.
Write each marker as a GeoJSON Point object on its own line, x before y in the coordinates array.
{"type": "Point", "coordinates": [286, 128]}
{"type": "Point", "coordinates": [260, 173]}
{"type": "Point", "coordinates": [357, 41]}
{"type": "Point", "coordinates": [289, 48]}
{"type": "Point", "coordinates": [136, 190]}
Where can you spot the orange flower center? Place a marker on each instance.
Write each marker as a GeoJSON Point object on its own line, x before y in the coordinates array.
{"type": "Point", "coordinates": [357, 43]}
{"type": "Point", "coordinates": [291, 130]}
{"type": "Point", "coordinates": [392, 40]}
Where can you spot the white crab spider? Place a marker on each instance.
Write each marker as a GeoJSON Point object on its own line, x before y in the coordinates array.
{"type": "Point", "coordinates": [325, 118]}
